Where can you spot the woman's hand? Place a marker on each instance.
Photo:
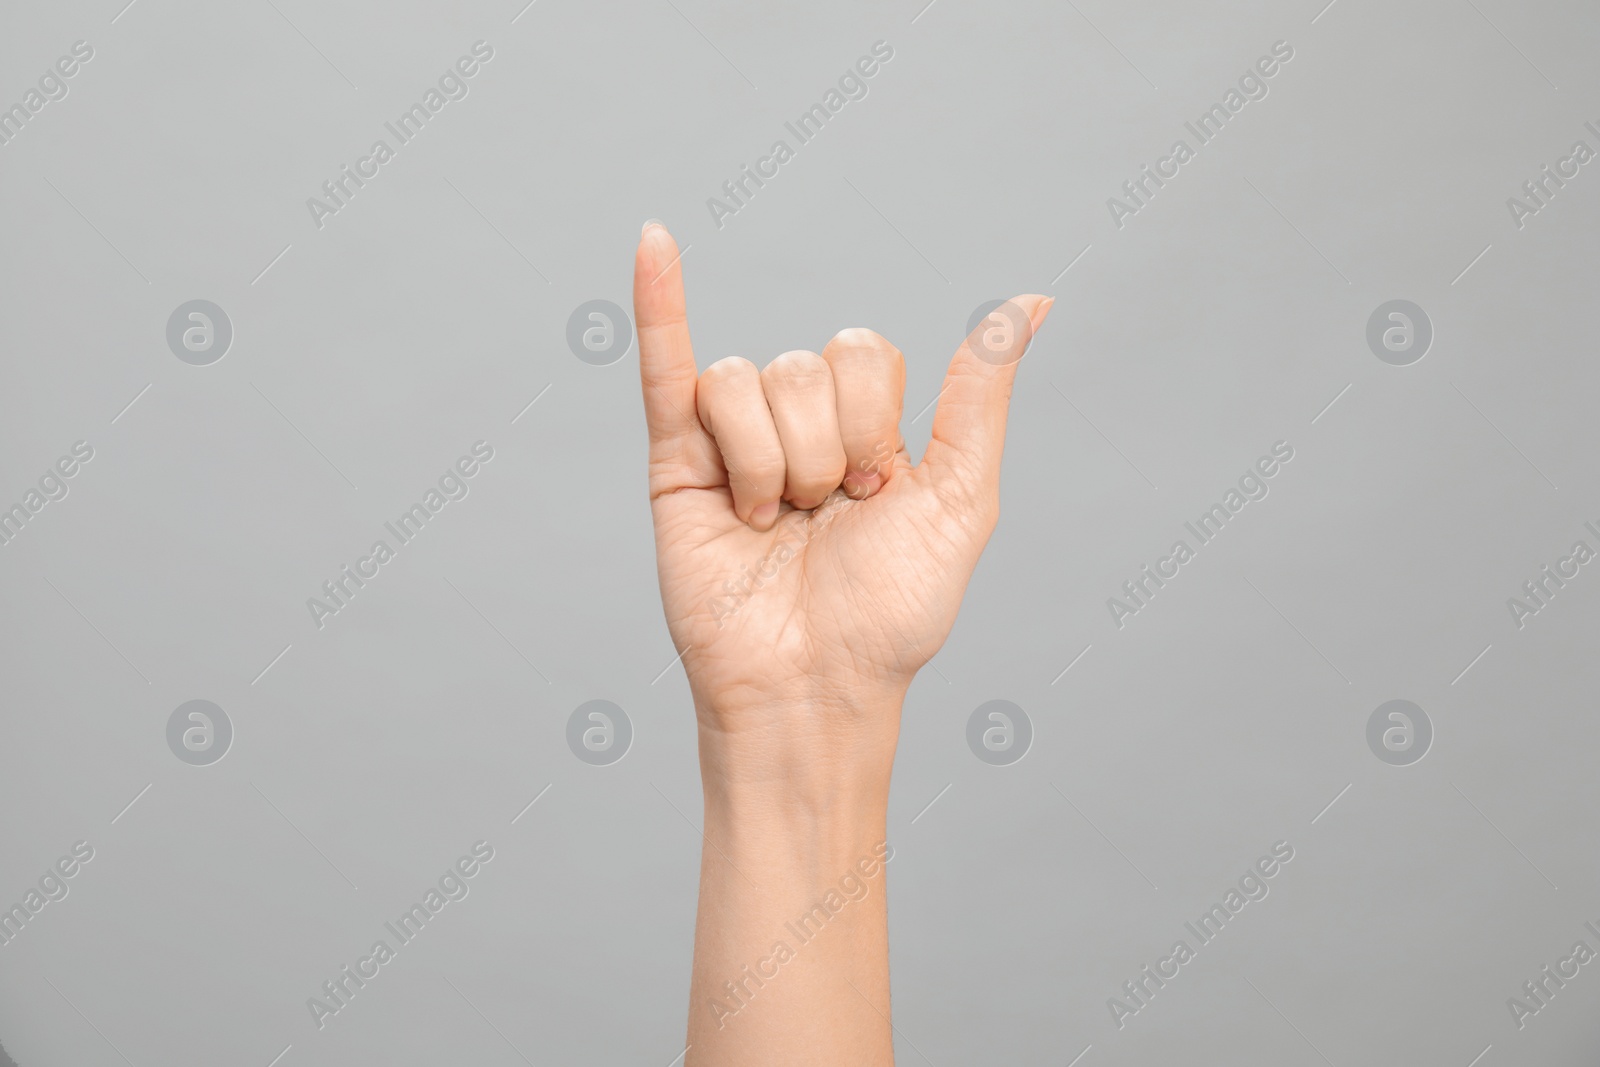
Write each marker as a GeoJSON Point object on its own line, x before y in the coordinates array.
{"type": "Point", "coordinates": [807, 568]}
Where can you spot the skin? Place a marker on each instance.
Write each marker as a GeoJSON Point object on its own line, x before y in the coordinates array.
{"type": "Point", "coordinates": [808, 570]}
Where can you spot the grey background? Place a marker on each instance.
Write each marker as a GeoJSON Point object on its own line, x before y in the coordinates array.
{"type": "Point", "coordinates": [425, 316]}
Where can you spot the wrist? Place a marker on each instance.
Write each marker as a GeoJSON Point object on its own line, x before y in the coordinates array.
{"type": "Point", "coordinates": [799, 759]}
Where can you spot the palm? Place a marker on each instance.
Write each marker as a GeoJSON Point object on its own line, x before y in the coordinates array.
{"type": "Point", "coordinates": [864, 590]}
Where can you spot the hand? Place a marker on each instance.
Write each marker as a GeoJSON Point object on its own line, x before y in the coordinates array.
{"type": "Point", "coordinates": [807, 568]}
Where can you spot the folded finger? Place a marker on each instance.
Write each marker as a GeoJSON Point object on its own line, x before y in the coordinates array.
{"type": "Point", "coordinates": [869, 381]}
{"type": "Point", "coordinates": [799, 390]}
{"type": "Point", "coordinates": [733, 409]}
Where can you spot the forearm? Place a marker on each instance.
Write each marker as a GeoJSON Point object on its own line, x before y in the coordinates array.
{"type": "Point", "coordinates": [791, 961]}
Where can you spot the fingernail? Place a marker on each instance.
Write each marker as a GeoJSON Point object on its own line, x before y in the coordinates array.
{"type": "Point", "coordinates": [647, 224]}
{"type": "Point", "coordinates": [1041, 311]}
{"type": "Point", "coordinates": [762, 517]}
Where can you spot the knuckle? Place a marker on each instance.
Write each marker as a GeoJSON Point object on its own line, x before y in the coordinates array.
{"type": "Point", "coordinates": [797, 368]}
{"type": "Point", "coordinates": [858, 342]}
{"type": "Point", "coordinates": [728, 368]}
{"type": "Point", "coordinates": [799, 359]}
{"type": "Point", "coordinates": [858, 337]}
